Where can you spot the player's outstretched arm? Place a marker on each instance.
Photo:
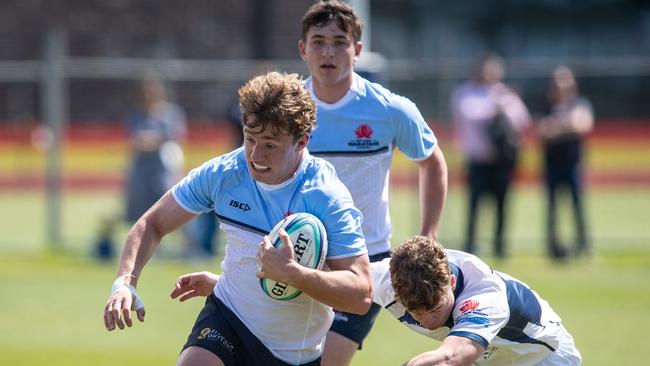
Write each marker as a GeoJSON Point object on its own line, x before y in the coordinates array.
{"type": "Point", "coordinates": [194, 284]}
{"type": "Point", "coordinates": [454, 351]}
{"type": "Point", "coordinates": [346, 286]}
{"type": "Point", "coordinates": [433, 191]}
{"type": "Point", "coordinates": [141, 242]}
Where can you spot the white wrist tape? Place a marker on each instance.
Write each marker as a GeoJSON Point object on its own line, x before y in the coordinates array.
{"type": "Point", "coordinates": [119, 283]}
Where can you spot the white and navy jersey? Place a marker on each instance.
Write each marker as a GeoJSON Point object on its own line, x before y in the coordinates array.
{"type": "Point", "coordinates": [504, 315]}
{"type": "Point", "coordinates": [294, 331]}
{"type": "Point", "coordinates": [358, 135]}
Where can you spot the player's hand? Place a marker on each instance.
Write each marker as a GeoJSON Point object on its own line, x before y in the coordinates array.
{"type": "Point", "coordinates": [194, 284]}
{"type": "Point", "coordinates": [117, 311]}
{"type": "Point", "coordinates": [276, 263]}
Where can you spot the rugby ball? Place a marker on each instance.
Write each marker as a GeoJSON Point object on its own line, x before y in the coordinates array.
{"type": "Point", "coordinates": [309, 241]}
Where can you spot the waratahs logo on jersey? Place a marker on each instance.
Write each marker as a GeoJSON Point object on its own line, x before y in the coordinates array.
{"type": "Point", "coordinates": [468, 305]}
{"type": "Point", "coordinates": [363, 132]}
{"type": "Point", "coordinates": [364, 138]}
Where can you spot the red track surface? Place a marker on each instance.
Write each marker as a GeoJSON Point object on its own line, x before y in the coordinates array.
{"type": "Point", "coordinates": [622, 133]}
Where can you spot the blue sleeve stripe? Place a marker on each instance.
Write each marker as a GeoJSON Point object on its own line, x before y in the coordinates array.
{"type": "Point", "coordinates": [473, 336]}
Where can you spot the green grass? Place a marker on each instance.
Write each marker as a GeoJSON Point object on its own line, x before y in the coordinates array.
{"type": "Point", "coordinates": [53, 299]}
{"type": "Point", "coordinates": [617, 217]}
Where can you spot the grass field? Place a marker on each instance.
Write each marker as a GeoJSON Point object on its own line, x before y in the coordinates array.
{"type": "Point", "coordinates": [53, 299]}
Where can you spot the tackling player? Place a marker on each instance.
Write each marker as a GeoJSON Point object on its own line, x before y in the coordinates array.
{"type": "Point", "coordinates": [251, 189]}
{"type": "Point", "coordinates": [360, 124]}
{"type": "Point", "coordinates": [482, 317]}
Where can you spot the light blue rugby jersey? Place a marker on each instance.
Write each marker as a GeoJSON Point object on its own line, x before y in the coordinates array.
{"type": "Point", "coordinates": [224, 185]}
{"type": "Point", "coordinates": [295, 333]}
{"type": "Point", "coordinates": [376, 120]}
{"type": "Point", "coordinates": [358, 135]}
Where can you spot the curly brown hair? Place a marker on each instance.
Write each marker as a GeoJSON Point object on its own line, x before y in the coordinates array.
{"type": "Point", "coordinates": [280, 101]}
{"type": "Point", "coordinates": [324, 12]}
{"type": "Point", "coordinates": [420, 273]}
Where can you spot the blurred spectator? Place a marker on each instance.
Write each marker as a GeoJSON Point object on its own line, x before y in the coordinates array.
{"type": "Point", "coordinates": [488, 116]}
{"type": "Point", "coordinates": [156, 129]}
{"type": "Point", "coordinates": [104, 244]}
{"type": "Point", "coordinates": [234, 119]}
{"type": "Point", "coordinates": [569, 118]}
{"type": "Point", "coordinates": [234, 113]}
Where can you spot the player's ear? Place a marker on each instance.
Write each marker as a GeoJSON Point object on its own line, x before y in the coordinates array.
{"type": "Point", "coordinates": [303, 141]}
{"type": "Point", "coordinates": [452, 282]}
{"type": "Point", "coordinates": [301, 48]}
{"type": "Point", "coordinates": [357, 50]}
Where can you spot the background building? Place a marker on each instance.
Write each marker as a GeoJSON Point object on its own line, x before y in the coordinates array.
{"type": "Point", "coordinates": [206, 49]}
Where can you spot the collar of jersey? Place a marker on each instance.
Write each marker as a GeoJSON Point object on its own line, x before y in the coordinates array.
{"type": "Point", "coordinates": [296, 175]}
{"type": "Point", "coordinates": [355, 89]}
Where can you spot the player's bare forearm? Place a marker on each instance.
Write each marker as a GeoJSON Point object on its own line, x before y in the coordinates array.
{"type": "Point", "coordinates": [433, 192]}
{"type": "Point", "coordinates": [139, 246]}
{"type": "Point", "coordinates": [145, 235]}
{"type": "Point", "coordinates": [432, 358]}
{"type": "Point", "coordinates": [454, 351]}
{"type": "Point", "coordinates": [345, 286]}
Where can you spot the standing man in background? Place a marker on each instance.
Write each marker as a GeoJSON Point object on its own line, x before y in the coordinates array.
{"type": "Point", "coordinates": [360, 124]}
{"type": "Point", "coordinates": [570, 118]}
{"type": "Point", "coordinates": [489, 117]}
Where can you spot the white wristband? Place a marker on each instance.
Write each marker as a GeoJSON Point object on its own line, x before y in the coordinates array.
{"type": "Point", "coordinates": [119, 283]}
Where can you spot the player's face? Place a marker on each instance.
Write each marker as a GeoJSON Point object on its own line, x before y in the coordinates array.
{"type": "Point", "coordinates": [437, 317]}
{"type": "Point", "coordinates": [271, 158]}
{"type": "Point", "coordinates": [330, 53]}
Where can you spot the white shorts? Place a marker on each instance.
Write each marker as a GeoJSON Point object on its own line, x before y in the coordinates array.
{"type": "Point", "coordinates": [566, 354]}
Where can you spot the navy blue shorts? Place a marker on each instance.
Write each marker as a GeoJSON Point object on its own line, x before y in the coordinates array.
{"type": "Point", "coordinates": [353, 326]}
{"type": "Point", "coordinates": [219, 330]}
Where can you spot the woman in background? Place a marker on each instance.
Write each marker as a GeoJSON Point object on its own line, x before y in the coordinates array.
{"type": "Point", "coordinates": [156, 129]}
{"type": "Point", "coordinates": [562, 130]}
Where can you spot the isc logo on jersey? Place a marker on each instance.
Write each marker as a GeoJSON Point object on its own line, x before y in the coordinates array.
{"type": "Point", "coordinates": [309, 241]}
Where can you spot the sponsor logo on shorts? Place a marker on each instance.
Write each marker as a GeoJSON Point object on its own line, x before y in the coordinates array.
{"type": "Point", "coordinates": [204, 333]}
{"type": "Point", "coordinates": [214, 336]}
{"type": "Point", "coordinates": [340, 317]}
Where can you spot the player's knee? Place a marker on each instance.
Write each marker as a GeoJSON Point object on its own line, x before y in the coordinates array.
{"type": "Point", "coordinates": [339, 350]}
{"type": "Point", "coordinates": [197, 356]}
